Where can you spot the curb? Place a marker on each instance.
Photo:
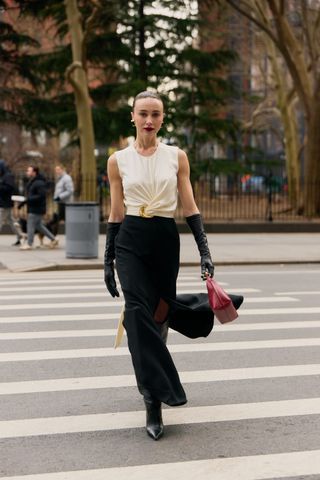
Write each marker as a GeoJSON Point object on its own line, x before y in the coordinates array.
{"type": "Point", "coordinates": [66, 267]}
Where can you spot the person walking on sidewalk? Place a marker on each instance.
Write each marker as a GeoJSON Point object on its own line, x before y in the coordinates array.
{"type": "Point", "coordinates": [146, 178]}
{"type": "Point", "coordinates": [63, 192]}
{"type": "Point", "coordinates": [36, 207]}
{"type": "Point", "coordinates": [7, 189]}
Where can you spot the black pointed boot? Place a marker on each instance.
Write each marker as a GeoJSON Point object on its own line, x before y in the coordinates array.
{"type": "Point", "coordinates": [154, 424]}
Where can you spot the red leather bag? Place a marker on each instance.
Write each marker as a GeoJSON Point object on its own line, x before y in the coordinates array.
{"type": "Point", "coordinates": [220, 302]}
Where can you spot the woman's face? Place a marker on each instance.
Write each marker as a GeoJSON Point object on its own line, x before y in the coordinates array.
{"type": "Point", "coordinates": [148, 116]}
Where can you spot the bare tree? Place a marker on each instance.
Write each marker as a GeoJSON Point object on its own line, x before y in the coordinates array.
{"type": "Point", "coordinates": [280, 104]}
{"type": "Point", "coordinates": [293, 29]}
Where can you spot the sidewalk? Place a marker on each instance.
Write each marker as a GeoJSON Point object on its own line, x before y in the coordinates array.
{"type": "Point", "coordinates": [226, 249]}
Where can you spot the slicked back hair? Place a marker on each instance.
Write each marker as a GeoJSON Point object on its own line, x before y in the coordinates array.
{"type": "Point", "coordinates": [146, 94]}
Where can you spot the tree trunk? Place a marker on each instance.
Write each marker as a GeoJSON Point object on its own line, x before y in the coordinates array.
{"type": "Point", "coordinates": [292, 154]}
{"type": "Point", "coordinates": [289, 122]}
{"type": "Point", "coordinates": [312, 162]}
{"type": "Point", "coordinates": [78, 78]}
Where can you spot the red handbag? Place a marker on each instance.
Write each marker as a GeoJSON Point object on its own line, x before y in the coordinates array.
{"type": "Point", "coordinates": [220, 302]}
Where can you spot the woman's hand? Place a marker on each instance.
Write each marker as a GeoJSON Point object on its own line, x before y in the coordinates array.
{"type": "Point", "coordinates": [207, 267]}
{"type": "Point", "coordinates": [109, 280]}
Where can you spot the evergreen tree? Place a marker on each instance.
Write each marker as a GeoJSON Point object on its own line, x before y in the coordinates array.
{"type": "Point", "coordinates": [14, 75]}
{"type": "Point", "coordinates": [131, 46]}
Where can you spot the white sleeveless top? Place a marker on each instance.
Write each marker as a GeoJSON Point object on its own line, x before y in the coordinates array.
{"type": "Point", "coordinates": [149, 183]}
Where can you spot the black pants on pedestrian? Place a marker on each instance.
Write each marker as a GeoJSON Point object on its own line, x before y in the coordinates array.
{"type": "Point", "coordinates": [147, 262]}
{"type": "Point", "coordinates": [62, 211]}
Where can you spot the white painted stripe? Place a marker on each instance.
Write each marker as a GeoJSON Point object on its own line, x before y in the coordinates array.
{"type": "Point", "coordinates": [276, 271]}
{"type": "Point", "coordinates": [301, 311]}
{"type": "Point", "coordinates": [77, 303]}
{"type": "Point", "coordinates": [247, 327]}
{"type": "Point", "coordinates": [136, 419]}
{"type": "Point", "coordinates": [68, 295]}
{"type": "Point", "coordinates": [313, 292]}
{"type": "Point", "coordinates": [99, 286]}
{"type": "Point", "coordinates": [255, 467]}
{"type": "Point", "coordinates": [202, 288]}
{"type": "Point", "coordinates": [117, 381]}
{"type": "Point", "coordinates": [279, 311]}
{"type": "Point", "coordinates": [270, 299]}
{"type": "Point", "coordinates": [108, 332]}
{"type": "Point", "coordinates": [102, 293]}
{"type": "Point", "coordinates": [61, 318]}
{"type": "Point", "coordinates": [84, 279]}
{"type": "Point", "coordinates": [50, 288]}
{"type": "Point", "coordinates": [180, 348]}
{"type": "Point", "coordinates": [54, 279]}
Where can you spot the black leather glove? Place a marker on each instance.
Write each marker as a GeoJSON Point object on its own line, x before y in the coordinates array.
{"type": "Point", "coordinates": [56, 199]}
{"type": "Point", "coordinates": [109, 256]}
{"type": "Point", "coordinates": [196, 226]}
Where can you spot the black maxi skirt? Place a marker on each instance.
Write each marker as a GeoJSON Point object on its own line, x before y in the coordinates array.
{"type": "Point", "coordinates": [147, 262]}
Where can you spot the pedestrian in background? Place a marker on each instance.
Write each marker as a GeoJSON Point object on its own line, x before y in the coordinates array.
{"type": "Point", "coordinates": [36, 208]}
{"type": "Point", "coordinates": [146, 178]}
{"type": "Point", "coordinates": [7, 189]}
{"type": "Point", "coordinates": [64, 189]}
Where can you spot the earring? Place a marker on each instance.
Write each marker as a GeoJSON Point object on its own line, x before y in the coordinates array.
{"type": "Point", "coordinates": [132, 121]}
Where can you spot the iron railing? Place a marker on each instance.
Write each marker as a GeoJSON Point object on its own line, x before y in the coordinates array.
{"type": "Point", "coordinates": [218, 199]}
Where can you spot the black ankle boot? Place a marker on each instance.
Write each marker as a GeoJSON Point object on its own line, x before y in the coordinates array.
{"type": "Point", "coordinates": [154, 418]}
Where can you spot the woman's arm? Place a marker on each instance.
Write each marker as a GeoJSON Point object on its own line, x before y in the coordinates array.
{"type": "Point", "coordinates": [116, 191]}
{"type": "Point", "coordinates": [193, 217]}
{"type": "Point", "coordinates": [113, 225]}
{"type": "Point", "coordinates": [188, 203]}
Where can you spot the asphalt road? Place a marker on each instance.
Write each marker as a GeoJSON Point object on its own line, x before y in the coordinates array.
{"type": "Point", "coordinates": [69, 408]}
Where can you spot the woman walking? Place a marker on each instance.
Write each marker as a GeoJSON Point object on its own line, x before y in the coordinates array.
{"type": "Point", "coordinates": [146, 179]}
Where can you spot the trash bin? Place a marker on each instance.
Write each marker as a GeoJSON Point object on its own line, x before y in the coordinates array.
{"type": "Point", "coordinates": [82, 229]}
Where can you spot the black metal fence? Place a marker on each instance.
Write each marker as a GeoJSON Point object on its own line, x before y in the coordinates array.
{"type": "Point", "coordinates": [219, 198]}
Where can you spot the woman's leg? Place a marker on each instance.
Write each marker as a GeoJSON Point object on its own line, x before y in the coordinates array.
{"type": "Point", "coordinates": [137, 246]}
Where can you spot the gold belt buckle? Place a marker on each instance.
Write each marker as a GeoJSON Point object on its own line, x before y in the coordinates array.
{"type": "Point", "coordinates": [142, 212]}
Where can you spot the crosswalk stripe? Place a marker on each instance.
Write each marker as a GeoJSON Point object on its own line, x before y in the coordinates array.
{"type": "Point", "coordinates": [279, 311]}
{"type": "Point", "coordinates": [76, 303]}
{"type": "Point", "coordinates": [301, 292]}
{"type": "Point", "coordinates": [109, 332]}
{"type": "Point", "coordinates": [117, 381]}
{"type": "Point", "coordinates": [136, 419]}
{"type": "Point", "coordinates": [254, 467]}
{"type": "Point", "coordinates": [115, 316]}
{"type": "Point", "coordinates": [100, 286]}
{"type": "Point", "coordinates": [102, 293]}
{"type": "Point", "coordinates": [44, 306]}
{"type": "Point", "coordinates": [85, 280]}
{"type": "Point", "coordinates": [179, 348]}
{"type": "Point", "coordinates": [60, 318]}
{"type": "Point", "coordinates": [58, 334]}
{"type": "Point", "coordinates": [233, 272]}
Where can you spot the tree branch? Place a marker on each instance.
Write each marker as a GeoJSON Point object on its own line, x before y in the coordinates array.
{"type": "Point", "coordinates": [316, 29]}
{"type": "Point", "coordinates": [261, 9]}
{"type": "Point", "coordinates": [252, 18]}
{"type": "Point", "coordinates": [293, 55]}
{"type": "Point", "coordinates": [282, 7]}
{"type": "Point", "coordinates": [306, 30]}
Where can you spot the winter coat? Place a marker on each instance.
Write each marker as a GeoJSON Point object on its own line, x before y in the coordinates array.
{"type": "Point", "coordinates": [64, 188]}
{"type": "Point", "coordinates": [7, 186]}
{"type": "Point", "coordinates": [36, 195]}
